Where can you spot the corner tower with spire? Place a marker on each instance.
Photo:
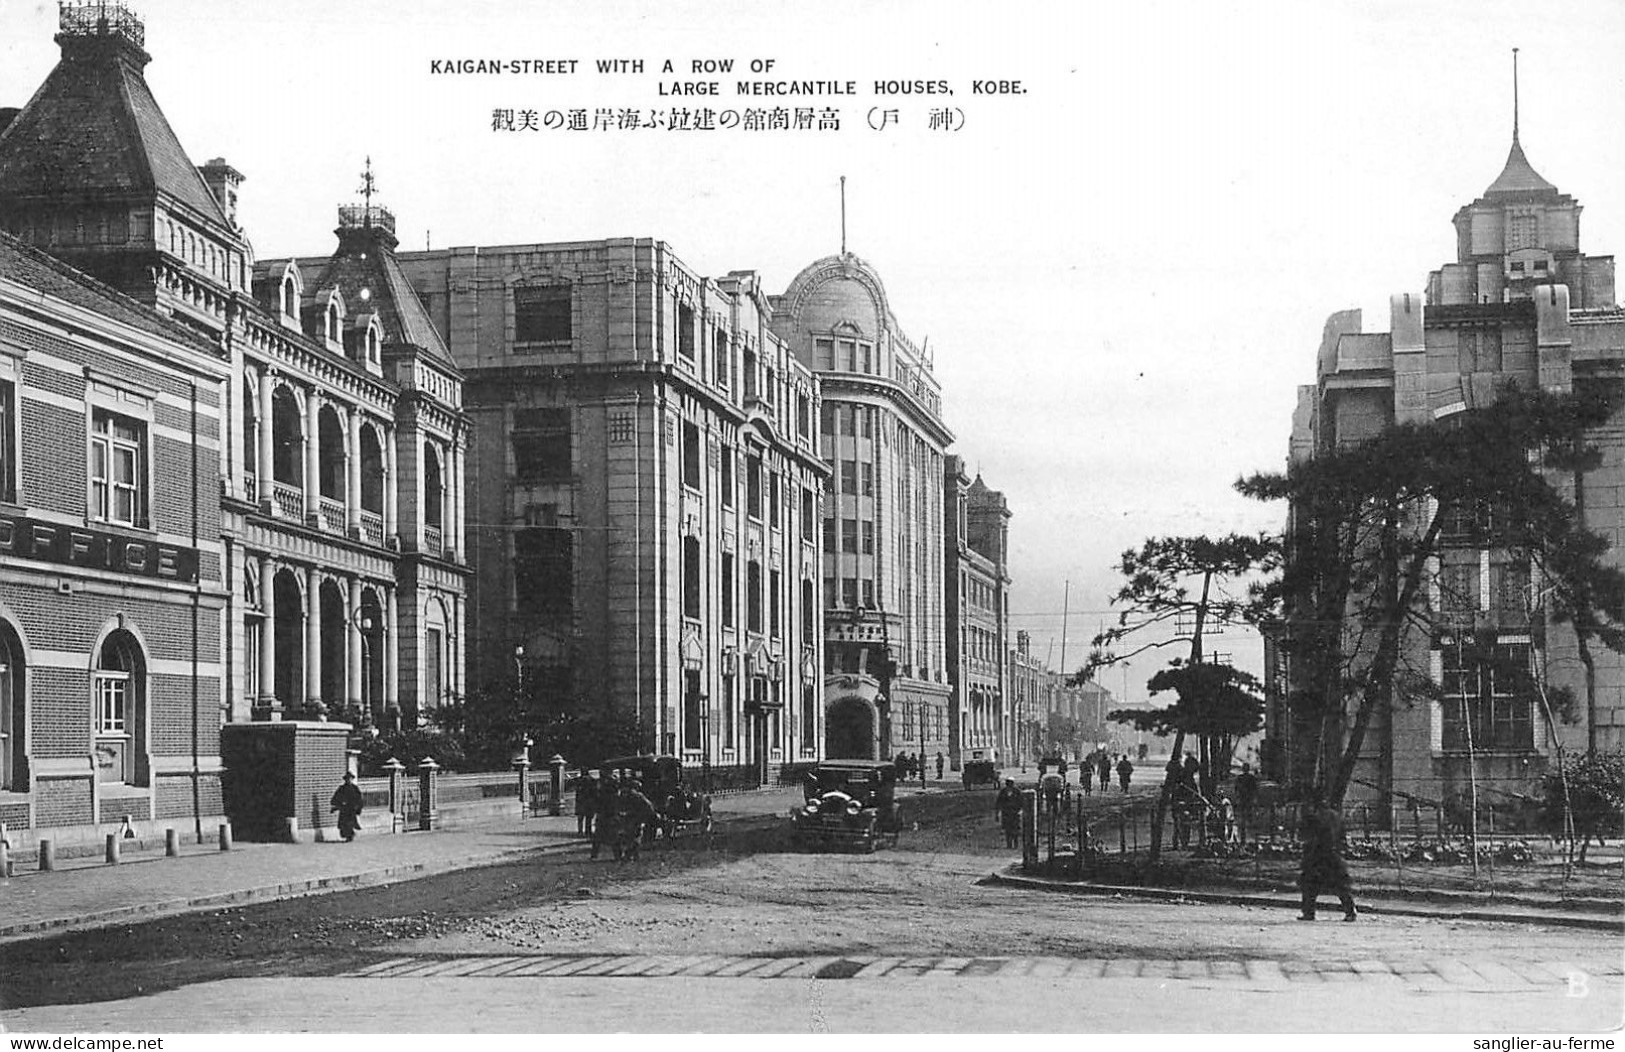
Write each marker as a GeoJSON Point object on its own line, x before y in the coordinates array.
{"type": "Point", "coordinates": [1522, 232]}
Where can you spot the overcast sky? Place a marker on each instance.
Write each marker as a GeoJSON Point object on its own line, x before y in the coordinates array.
{"type": "Point", "coordinates": [1122, 272]}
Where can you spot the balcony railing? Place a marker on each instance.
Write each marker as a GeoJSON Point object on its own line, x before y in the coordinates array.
{"type": "Point", "coordinates": [332, 514]}
{"type": "Point", "coordinates": [433, 540]}
{"type": "Point", "coordinates": [251, 488]}
{"type": "Point", "coordinates": [372, 527]}
{"type": "Point", "coordinates": [290, 499]}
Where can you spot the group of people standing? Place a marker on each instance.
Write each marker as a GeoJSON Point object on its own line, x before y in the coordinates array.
{"type": "Point", "coordinates": [910, 765]}
{"type": "Point", "coordinates": [613, 811]}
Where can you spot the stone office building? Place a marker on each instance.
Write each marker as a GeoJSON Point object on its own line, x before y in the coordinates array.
{"type": "Point", "coordinates": [265, 448]}
{"type": "Point", "coordinates": [1521, 302]}
{"type": "Point", "coordinates": [646, 491]}
{"type": "Point", "coordinates": [881, 429]}
{"type": "Point", "coordinates": [977, 607]}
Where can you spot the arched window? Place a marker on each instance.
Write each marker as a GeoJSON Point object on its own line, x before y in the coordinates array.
{"type": "Point", "coordinates": [13, 712]}
{"type": "Point", "coordinates": [374, 350]}
{"type": "Point", "coordinates": [333, 333]}
{"type": "Point", "coordinates": [290, 298]}
{"type": "Point", "coordinates": [287, 438]}
{"type": "Point", "coordinates": [119, 700]}
{"type": "Point", "coordinates": [251, 432]}
{"type": "Point", "coordinates": [434, 490]}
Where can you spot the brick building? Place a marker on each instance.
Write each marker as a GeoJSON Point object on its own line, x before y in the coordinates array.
{"type": "Point", "coordinates": [976, 520]}
{"type": "Point", "coordinates": [1520, 302]}
{"type": "Point", "coordinates": [881, 429]}
{"type": "Point", "coordinates": [273, 451]}
{"type": "Point", "coordinates": [646, 491]}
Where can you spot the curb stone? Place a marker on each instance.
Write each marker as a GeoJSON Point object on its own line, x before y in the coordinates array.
{"type": "Point", "coordinates": [1379, 906]}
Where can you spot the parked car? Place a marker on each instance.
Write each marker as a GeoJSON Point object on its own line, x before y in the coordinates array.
{"type": "Point", "coordinates": [848, 803]}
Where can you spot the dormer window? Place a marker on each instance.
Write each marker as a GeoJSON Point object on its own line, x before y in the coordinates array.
{"type": "Point", "coordinates": [333, 333]}
{"type": "Point", "coordinates": [374, 354]}
{"type": "Point", "coordinates": [290, 298]}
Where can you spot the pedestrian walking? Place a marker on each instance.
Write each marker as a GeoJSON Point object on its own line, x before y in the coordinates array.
{"type": "Point", "coordinates": [634, 815]}
{"type": "Point", "coordinates": [1008, 807]}
{"type": "Point", "coordinates": [940, 760]}
{"type": "Point", "coordinates": [1086, 777]}
{"type": "Point", "coordinates": [347, 802]}
{"type": "Point", "coordinates": [1323, 868]}
{"type": "Point", "coordinates": [901, 763]}
{"type": "Point", "coordinates": [1125, 771]}
{"type": "Point", "coordinates": [1105, 770]}
{"type": "Point", "coordinates": [1246, 797]}
{"type": "Point", "coordinates": [604, 824]}
{"type": "Point", "coordinates": [586, 803]}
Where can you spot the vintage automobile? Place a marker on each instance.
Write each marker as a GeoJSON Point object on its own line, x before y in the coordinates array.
{"type": "Point", "coordinates": [979, 769]}
{"type": "Point", "coordinates": [848, 803]}
{"type": "Point", "coordinates": [679, 808]}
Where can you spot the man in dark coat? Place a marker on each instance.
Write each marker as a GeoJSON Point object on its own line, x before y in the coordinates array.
{"type": "Point", "coordinates": [1323, 869]}
{"type": "Point", "coordinates": [347, 802]}
{"type": "Point", "coordinates": [1125, 771]}
{"type": "Point", "coordinates": [1246, 797]}
{"type": "Point", "coordinates": [1008, 807]}
{"type": "Point", "coordinates": [940, 759]}
{"type": "Point", "coordinates": [633, 814]}
{"type": "Point", "coordinates": [604, 823]}
{"type": "Point", "coordinates": [586, 803]}
{"type": "Point", "coordinates": [1105, 770]}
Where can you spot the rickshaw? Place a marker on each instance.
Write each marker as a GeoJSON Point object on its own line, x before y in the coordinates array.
{"type": "Point", "coordinates": [679, 809]}
{"type": "Point", "coordinates": [848, 803]}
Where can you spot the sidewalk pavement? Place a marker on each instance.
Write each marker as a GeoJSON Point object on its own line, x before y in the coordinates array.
{"type": "Point", "coordinates": [1513, 909]}
{"type": "Point", "coordinates": [89, 893]}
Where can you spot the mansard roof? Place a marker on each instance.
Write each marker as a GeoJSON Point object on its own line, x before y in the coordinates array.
{"type": "Point", "coordinates": [93, 129]}
{"type": "Point", "coordinates": [45, 273]}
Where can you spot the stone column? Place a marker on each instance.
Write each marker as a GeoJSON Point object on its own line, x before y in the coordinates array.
{"type": "Point", "coordinates": [263, 425]}
{"type": "Point", "coordinates": [454, 501]}
{"type": "Point", "coordinates": [352, 475]}
{"type": "Point", "coordinates": [392, 656]}
{"type": "Point", "coordinates": [267, 684]}
{"type": "Point", "coordinates": [353, 666]}
{"type": "Point", "coordinates": [391, 480]}
{"type": "Point", "coordinates": [313, 641]}
{"type": "Point", "coordinates": [454, 654]}
{"type": "Point", "coordinates": [313, 449]}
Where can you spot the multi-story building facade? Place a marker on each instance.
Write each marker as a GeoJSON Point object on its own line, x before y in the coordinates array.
{"type": "Point", "coordinates": [881, 429]}
{"type": "Point", "coordinates": [1038, 693]}
{"type": "Point", "coordinates": [111, 591]}
{"type": "Point", "coordinates": [1520, 303]}
{"type": "Point", "coordinates": [313, 401]}
{"type": "Point", "coordinates": [977, 611]}
{"type": "Point", "coordinates": [647, 488]}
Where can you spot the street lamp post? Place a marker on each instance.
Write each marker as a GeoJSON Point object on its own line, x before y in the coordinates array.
{"type": "Point", "coordinates": [363, 621]}
{"type": "Point", "coordinates": [519, 665]}
{"type": "Point", "coordinates": [705, 740]}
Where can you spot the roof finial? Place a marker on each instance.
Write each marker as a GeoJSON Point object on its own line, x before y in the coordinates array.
{"type": "Point", "coordinates": [368, 185]}
{"type": "Point", "coordinates": [843, 215]}
{"type": "Point", "coordinates": [1514, 96]}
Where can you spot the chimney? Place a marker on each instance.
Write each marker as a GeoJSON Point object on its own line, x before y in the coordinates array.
{"type": "Point", "coordinates": [223, 180]}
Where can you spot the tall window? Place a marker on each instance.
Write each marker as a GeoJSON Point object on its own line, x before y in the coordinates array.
{"type": "Point", "coordinates": [118, 712]}
{"type": "Point", "coordinates": [807, 613]}
{"type": "Point", "coordinates": [803, 416]}
{"type": "Point", "coordinates": [727, 589]}
{"type": "Point", "coordinates": [691, 455]}
{"type": "Point", "coordinates": [720, 352]}
{"type": "Point", "coordinates": [753, 596]}
{"type": "Point", "coordinates": [541, 444]}
{"type": "Point", "coordinates": [809, 720]}
{"type": "Point", "coordinates": [809, 515]}
{"type": "Point", "coordinates": [541, 314]}
{"type": "Point", "coordinates": [775, 603]}
{"type": "Point", "coordinates": [434, 686]}
{"type": "Point", "coordinates": [773, 499]}
{"type": "Point", "coordinates": [692, 700]}
{"type": "Point", "coordinates": [1487, 696]}
{"type": "Point", "coordinates": [691, 577]}
{"type": "Point", "coordinates": [8, 452]}
{"type": "Point", "coordinates": [543, 571]}
{"type": "Point", "coordinates": [118, 469]}
{"type": "Point", "coordinates": [12, 718]}
{"type": "Point", "coordinates": [685, 331]}
{"type": "Point", "coordinates": [726, 473]}
{"type": "Point", "coordinates": [747, 369]}
{"type": "Point", "coordinates": [753, 487]}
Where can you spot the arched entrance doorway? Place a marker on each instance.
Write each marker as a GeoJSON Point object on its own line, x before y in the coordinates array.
{"type": "Point", "coordinates": [13, 712]}
{"type": "Point", "coordinates": [849, 730]}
